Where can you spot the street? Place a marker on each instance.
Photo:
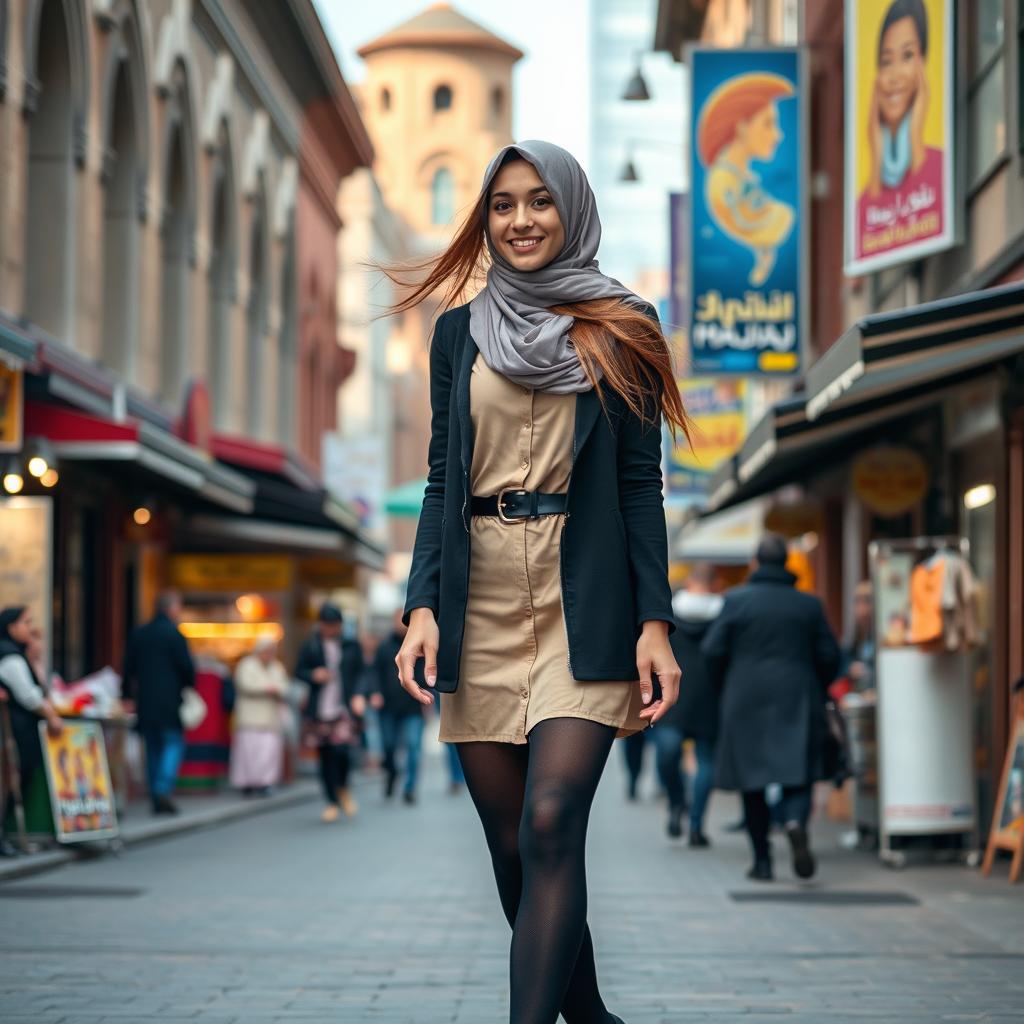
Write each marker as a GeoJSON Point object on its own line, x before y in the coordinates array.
{"type": "Point", "coordinates": [393, 918]}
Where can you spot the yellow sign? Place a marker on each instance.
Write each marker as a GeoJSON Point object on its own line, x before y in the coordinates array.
{"type": "Point", "coordinates": [81, 795]}
{"type": "Point", "coordinates": [890, 480]}
{"type": "Point", "coordinates": [717, 412]}
{"type": "Point", "coordinates": [230, 573]}
{"type": "Point", "coordinates": [11, 405]}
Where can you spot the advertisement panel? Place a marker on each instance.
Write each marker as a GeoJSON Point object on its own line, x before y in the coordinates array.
{"type": "Point", "coordinates": [899, 131]}
{"type": "Point", "coordinates": [746, 220]}
{"type": "Point", "coordinates": [717, 410]}
{"type": "Point", "coordinates": [81, 795]}
{"type": "Point", "coordinates": [11, 408]}
{"type": "Point", "coordinates": [26, 562]}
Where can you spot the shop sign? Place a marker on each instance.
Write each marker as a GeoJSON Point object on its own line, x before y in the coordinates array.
{"type": "Point", "coordinates": [890, 480]}
{"type": "Point", "coordinates": [746, 244]}
{"type": "Point", "coordinates": [899, 180]}
{"type": "Point", "coordinates": [717, 409]}
{"type": "Point", "coordinates": [11, 408]}
{"type": "Point", "coordinates": [26, 561]}
{"type": "Point", "coordinates": [81, 795]}
{"type": "Point", "coordinates": [230, 573]}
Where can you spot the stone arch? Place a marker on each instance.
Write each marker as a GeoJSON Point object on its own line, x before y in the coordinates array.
{"type": "Point", "coordinates": [178, 206]}
{"type": "Point", "coordinates": [78, 65]}
{"type": "Point", "coordinates": [222, 273]}
{"type": "Point", "coordinates": [55, 105]}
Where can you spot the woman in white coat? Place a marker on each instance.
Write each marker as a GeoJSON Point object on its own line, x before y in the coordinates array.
{"type": "Point", "coordinates": [261, 686]}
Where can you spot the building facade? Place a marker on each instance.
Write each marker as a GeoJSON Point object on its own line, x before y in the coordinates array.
{"type": "Point", "coordinates": [168, 285]}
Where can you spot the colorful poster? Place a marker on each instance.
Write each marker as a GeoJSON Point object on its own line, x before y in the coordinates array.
{"type": "Point", "coordinates": [746, 221]}
{"type": "Point", "coordinates": [81, 795]}
{"type": "Point", "coordinates": [679, 284]}
{"type": "Point", "coordinates": [717, 409]}
{"type": "Point", "coordinates": [899, 131]}
{"type": "Point", "coordinates": [11, 408]}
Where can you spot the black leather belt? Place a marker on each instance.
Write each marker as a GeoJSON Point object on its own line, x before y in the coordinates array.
{"type": "Point", "coordinates": [513, 503]}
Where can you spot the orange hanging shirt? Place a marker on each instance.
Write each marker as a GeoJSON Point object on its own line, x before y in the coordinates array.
{"type": "Point", "coordinates": [926, 602]}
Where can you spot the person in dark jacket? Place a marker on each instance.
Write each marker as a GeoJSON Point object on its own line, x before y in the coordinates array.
{"type": "Point", "coordinates": [695, 714]}
{"type": "Point", "coordinates": [399, 713]}
{"type": "Point", "coordinates": [774, 655]}
{"type": "Point", "coordinates": [27, 704]}
{"type": "Point", "coordinates": [157, 668]}
{"type": "Point", "coordinates": [331, 667]}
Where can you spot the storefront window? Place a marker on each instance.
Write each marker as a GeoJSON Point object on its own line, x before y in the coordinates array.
{"type": "Point", "coordinates": [986, 103]}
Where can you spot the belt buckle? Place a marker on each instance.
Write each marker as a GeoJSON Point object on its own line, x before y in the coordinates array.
{"type": "Point", "coordinates": [501, 502]}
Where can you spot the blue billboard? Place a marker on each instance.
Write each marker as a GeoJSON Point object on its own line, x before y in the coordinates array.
{"type": "Point", "coordinates": [746, 216]}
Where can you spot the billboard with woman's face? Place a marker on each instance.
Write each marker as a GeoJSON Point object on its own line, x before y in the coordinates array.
{"type": "Point", "coordinates": [746, 216]}
{"type": "Point", "coordinates": [899, 131]}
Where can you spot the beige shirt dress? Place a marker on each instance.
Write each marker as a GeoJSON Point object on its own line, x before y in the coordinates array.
{"type": "Point", "coordinates": [514, 671]}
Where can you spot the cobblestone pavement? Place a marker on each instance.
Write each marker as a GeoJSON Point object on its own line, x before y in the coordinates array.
{"type": "Point", "coordinates": [393, 918]}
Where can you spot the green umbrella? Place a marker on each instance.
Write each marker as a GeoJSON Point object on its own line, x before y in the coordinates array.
{"type": "Point", "coordinates": [405, 499]}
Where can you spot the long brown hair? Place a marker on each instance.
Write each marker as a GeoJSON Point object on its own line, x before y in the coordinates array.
{"type": "Point", "coordinates": [613, 339]}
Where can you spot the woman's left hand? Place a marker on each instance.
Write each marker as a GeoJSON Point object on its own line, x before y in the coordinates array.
{"type": "Point", "coordinates": [654, 655]}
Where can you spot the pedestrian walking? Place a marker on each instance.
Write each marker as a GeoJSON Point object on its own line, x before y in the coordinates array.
{"type": "Point", "coordinates": [633, 748]}
{"type": "Point", "coordinates": [538, 594]}
{"type": "Point", "coordinates": [695, 715]}
{"type": "Point", "coordinates": [157, 670]}
{"type": "Point", "coordinates": [400, 714]}
{"type": "Point", "coordinates": [27, 705]}
{"type": "Point", "coordinates": [857, 664]}
{"type": "Point", "coordinates": [332, 671]}
{"type": "Point", "coordinates": [257, 746]}
{"type": "Point", "coordinates": [774, 655]}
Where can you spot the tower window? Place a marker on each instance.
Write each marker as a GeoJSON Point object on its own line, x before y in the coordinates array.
{"type": "Point", "coordinates": [497, 101]}
{"type": "Point", "coordinates": [443, 97]}
{"type": "Point", "coordinates": [385, 99]}
{"type": "Point", "coordinates": [442, 197]}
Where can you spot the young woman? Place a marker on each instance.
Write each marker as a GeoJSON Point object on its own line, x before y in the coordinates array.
{"type": "Point", "coordinates": [538, 594]}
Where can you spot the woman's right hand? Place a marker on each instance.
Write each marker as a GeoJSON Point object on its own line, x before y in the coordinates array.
{"type": "Point", "coordinates": [420, 642]}
{"type": "Point", "coordinates": [54, 725]}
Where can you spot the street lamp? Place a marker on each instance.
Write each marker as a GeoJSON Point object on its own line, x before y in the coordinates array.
{"type": "Point", "coordinates": [636, 88]}
{"type": "Point", "coordinates": [629, 173]}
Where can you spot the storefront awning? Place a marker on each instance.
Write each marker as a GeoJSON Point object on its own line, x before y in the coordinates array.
{"type": "Point", "coordinates": [15, 343]}
{"type": "Point", "coordinates": [405, 499]}
{"type": "Point", "coordinates": [729, 537]}
{"type": "Point", "coordinates": [76, 436]}
{"type": "Point", "coordinates": [886, 367]}
{"type": "Point", "coordinates": [884, 353]}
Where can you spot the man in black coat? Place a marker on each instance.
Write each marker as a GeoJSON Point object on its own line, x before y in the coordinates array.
{"type": "Point", "coordinates": [157, 668]}
{"type": "Point", "coordinates": [331, 668]}
{"type": "Point", "coordinates": [695, 714]}
{"type": "Point", "coordinates": [774, 655]}
{"type": "Point", "coordinates": [400, 714]}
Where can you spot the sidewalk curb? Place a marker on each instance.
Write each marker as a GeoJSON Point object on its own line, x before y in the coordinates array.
{"type": "Point", "coordinates": [137, 834]}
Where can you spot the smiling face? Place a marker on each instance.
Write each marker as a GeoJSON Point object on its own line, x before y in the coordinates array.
{"type": "Point", "coordinates": [521, 218]}
{"type": "Point", "coordinates": [899, 68]}
{"type": "Point", "coordinates": [761, 133]}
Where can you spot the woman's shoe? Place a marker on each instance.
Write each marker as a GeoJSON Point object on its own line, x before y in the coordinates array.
{"type": "Point", "coordinates": [761, 871]}
{"type": "Point", "coordinates": [8, 849]}
{"type": "Point", "coordinates": [804, 864]}
{"type": "Point", "coordinates": [330, 814]}
{"type": "Point", "coordinates": [348, 802]}
{"type": "Point", "coordinates": [675, 822]}
{"type": "Point", "coordinates": [698, 840]}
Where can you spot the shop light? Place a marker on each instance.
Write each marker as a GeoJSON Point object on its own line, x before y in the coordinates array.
{"type": "Point", "coordinates": [980, 496]}
{"type": "Point", "coordinates": [13, 480]}
{"type": "Point", "coordinates": [50, 478]}
{"type": "Point", "coordinates": [231, 630]}
{"type": "Point", "coordinates": [142, 515]}
{"type": "Point", "coordinates": [250, 606]}
{"type": "Point", "coordinates": [38, 466]}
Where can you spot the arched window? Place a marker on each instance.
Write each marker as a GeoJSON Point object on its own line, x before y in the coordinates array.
{"type": "Point", "coordinates": [442, 197]}
{"type": "Point", "coordinates": [443, 97]}
{"type": "Point", "coordinates": [50, 208]}
{"type": "Point", "coordinates": [385, 99]}
{"type": "Point", "coordinates": [256, 323]}
{"type": "Point", "coordinates": [497, 101]}
{"type": "Point", "coordinates": [221, 283]}
{"type": "Point", "coordinates": [174, 272]}
{"type": "Point", "coordinates": [287, 346]}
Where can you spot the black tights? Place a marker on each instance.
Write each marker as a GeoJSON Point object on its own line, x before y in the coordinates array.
{"type": "Point", "coordinates": [334, 766]}
{"type": "Point", "coordinates": [534, 803]}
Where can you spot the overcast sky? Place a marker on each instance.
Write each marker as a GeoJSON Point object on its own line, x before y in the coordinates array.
{"type": "Point", "coordinates": [551, 82]}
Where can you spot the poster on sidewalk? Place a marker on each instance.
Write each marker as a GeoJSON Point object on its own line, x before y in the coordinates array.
{"type": "Point", "coordinates": [746, 226]}
{"type": "Point", "coordinates": [81, 795]}
{"type": "Point", "coordinates": [899, 180]}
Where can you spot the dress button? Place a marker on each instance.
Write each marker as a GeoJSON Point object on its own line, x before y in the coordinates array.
{"type": "Point", "coordinates": [527, 425]}
{"type": "Point", "coordinates": [524, 465]}
{"type": "Point", "coordinates": [524, 694]}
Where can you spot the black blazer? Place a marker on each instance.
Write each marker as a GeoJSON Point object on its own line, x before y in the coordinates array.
{"type": "Point", "coordinates": [157, 667]}
{"type": "Point", "coordinates": [614, 551]}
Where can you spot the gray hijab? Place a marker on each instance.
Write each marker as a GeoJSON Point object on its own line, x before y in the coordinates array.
{"type": "Point", "coordinates": [510, 321]}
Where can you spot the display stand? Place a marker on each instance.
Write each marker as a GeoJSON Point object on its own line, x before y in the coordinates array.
{"type": "Point", "coordinates": [925, 759]}
{"type": "Point", "coordinates": [1008, 818]}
